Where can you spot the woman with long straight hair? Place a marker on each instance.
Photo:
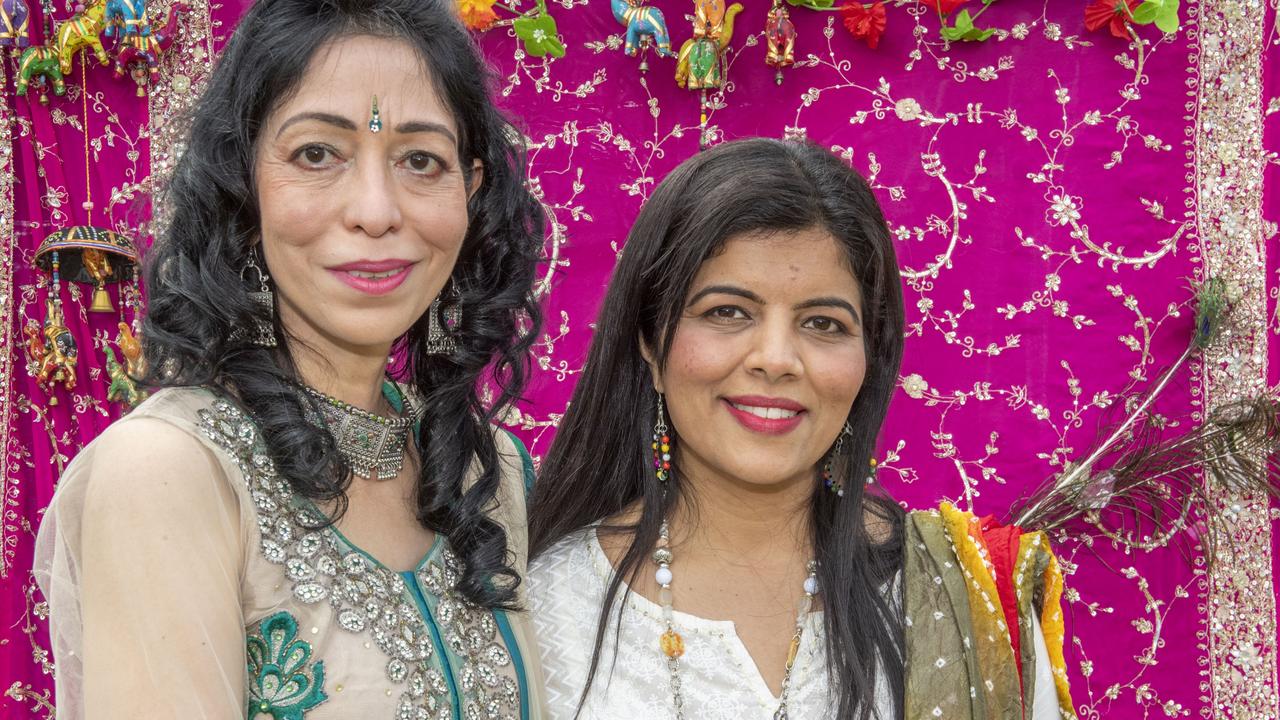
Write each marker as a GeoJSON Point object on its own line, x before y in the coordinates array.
{"type": "Point", "coordinates": [709, 503]}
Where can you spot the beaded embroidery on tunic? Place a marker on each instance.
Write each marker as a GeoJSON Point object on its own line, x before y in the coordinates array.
{"type": "Point", "coordinates": [367, 597]}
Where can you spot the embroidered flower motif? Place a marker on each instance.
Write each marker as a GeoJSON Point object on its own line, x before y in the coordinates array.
{"type": "Point", "coordinates": [865, 22]}
{"type": "Point", "coordinates": [281, 684]}
{"type": "Point", "coordinates": [907, 109]}
{"type": "Point", "coordinates": [915, 386]}
{"type": "Point", "coordinates": [1064, 209]}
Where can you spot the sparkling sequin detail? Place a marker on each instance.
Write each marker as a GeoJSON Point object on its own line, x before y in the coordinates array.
{"type": "Point", "coordinates": [369, 598]}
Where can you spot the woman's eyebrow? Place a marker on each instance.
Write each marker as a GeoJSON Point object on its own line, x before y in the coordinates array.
{"type": "Point", "coordinates": [830, 302]}
{"type": "Point", "coordinates": [726, 290]}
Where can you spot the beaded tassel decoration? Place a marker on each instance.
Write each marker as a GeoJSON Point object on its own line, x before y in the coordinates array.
{"type": "Point", "coordinates": [661, 446]}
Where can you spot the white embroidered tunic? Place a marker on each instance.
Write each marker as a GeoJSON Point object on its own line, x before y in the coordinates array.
{"type": "Point", "coordinates": [718, 677]}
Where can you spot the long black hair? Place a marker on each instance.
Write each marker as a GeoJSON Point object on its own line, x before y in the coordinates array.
{"type": "Point", "coordinates": [197, 299]}
{"type": "Point", "coordinates": [739, 188]}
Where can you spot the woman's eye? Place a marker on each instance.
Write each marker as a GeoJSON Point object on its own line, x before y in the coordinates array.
{"type": "Point", "coordinates": [422, 163]}
{"type": "Point", "coordinates": [313, 155]}
{"type": "Point", "coordinates": [727, 312]}
{"type": "Point", "coordinates": [825, 325]}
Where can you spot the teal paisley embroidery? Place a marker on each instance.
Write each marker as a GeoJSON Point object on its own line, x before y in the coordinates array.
{"type": "Point", "coordinates": [280, 683]}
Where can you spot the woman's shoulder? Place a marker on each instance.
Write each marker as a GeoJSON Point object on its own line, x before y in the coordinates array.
{"type": "Point", "coordinates": [564, 560]}
{"type": "Point", "coordinates": [163, 427]}
{"type": "Point", "coordinates": [159, 448]}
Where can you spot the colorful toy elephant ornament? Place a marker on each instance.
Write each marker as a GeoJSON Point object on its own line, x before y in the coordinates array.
{"type": "Point", "coordinates": [46, 65]}
{"type": "Point", "coordinates": [127, 18]}
{"type": "Point", "coordinates": [645, 27]}
{"type": "Point", "coordinates": [52, 352]}
{"type": "Point", "coordinates": [39, 65]}
{"type": "Point", "coordinates": [139, 56]}
{"type": "Point", "coordinates": [698, 66]}
{"type": "Point", "coordinates": [123, 388]}
{"type": "Point", "coordinates": [708, 18]}
{"type": "Point", "coordinates": [15, 29]}
{"type": "Point", "coordinates": [80, 31]}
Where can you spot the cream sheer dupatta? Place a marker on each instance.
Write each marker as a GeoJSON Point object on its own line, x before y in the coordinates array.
{"type": "Point", "coordinates": [141, 556]}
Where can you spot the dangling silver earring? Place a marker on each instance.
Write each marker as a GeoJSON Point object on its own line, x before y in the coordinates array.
{"type": "Point", "coordinates": [443, 320]}
{"type": "Point", "coordinates": [264, 329]}
{"type": "Point", "coordinates": [834, 484]}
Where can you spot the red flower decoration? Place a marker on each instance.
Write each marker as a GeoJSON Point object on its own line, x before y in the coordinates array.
{"type": "Point", "coordinates": [943, 6]}
{"type": "Point", "coordinates": [865, 22]}
{"type": "Point", "coordinates": [1113, 12]}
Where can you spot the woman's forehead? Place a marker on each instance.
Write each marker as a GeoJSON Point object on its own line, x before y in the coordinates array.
{"type": "Point", "coordinates": [345, 75]}
{"type": "Point", "coordinates": [789, 261]}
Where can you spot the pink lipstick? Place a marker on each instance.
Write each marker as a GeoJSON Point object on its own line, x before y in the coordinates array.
{"type": "Point", "coordinates": [373, 277]}
{"type": "Point", "coordinates": [770, 416]}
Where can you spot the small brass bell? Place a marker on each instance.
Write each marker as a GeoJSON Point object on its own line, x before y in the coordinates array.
{"type": "Point", "coordinates": [101, 301]}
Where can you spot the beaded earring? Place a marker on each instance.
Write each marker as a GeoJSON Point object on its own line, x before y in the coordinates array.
{"type": "Point", "coordinates": [832, 483]}
{"type": "Point", "coordinates": [661, 445]}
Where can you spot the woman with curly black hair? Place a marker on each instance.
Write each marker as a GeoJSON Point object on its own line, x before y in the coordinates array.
{"type": "Point", "coordinates": [288, 527]}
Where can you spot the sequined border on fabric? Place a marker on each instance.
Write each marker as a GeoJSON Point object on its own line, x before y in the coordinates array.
{"type": "Point", "coordinates": [1240, 614]}
{"type": "Point", "coordinates": [8, 248]}
{"type": "Point", "coordinates": [367, 597]}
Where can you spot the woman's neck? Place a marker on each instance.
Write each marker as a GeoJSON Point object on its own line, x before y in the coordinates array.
{"type": "Point", "coordinates": [352, 376]}
{"type": "Point", "coordinates": [731, 519]}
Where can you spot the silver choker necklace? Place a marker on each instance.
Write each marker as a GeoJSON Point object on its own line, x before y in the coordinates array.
{"type": "Point", "coordinates": [370, 443]}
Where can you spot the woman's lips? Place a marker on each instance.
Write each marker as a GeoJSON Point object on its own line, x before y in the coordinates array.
{"type": "Point", "coordinates": [373, 277]}
{"type": "Point", "coordinates": [769, 416]}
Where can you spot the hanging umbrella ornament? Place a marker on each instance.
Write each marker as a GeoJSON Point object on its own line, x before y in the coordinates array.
{"type": "Point", "coordinates": [90, 254]}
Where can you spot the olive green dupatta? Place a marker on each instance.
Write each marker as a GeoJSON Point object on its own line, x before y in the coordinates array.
{"type": "Point", "coordinates": [962, 661]}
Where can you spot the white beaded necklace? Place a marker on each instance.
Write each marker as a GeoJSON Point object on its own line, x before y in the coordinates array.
{"type": "Point", "coordinates": [673, 645]}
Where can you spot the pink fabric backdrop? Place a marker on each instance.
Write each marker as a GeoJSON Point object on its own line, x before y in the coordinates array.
{"type": "Point", "coordinates": [1054, 192]}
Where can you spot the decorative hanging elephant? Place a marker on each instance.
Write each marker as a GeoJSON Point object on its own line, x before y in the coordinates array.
{"type": "Point", "coordinates": [123, 388]}
{"type": "Point", "coordinates": [642, 22]}
{"type": "Point", "coordinates": [128, 18]}
{"type": "Point", "coordinates": [698, 66]}
{"type": "Point", "coordinates": [40, 64]}
{"type": "Point", "coordinates": [81, 30]}
{"type": "Point", "coordinates": [52, 352]}
{"type": "Point", "coordinates": [139, 56]}
{"type": "Point", "coordinates": [15, 31]}
{"type": "Point", "coordinates": [708, 19]}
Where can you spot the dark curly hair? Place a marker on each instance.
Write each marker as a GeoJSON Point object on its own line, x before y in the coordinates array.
{"type": "Point", "coordinates": [197, 299]}
{"type": "Point", "coordinates": [731, 190]}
